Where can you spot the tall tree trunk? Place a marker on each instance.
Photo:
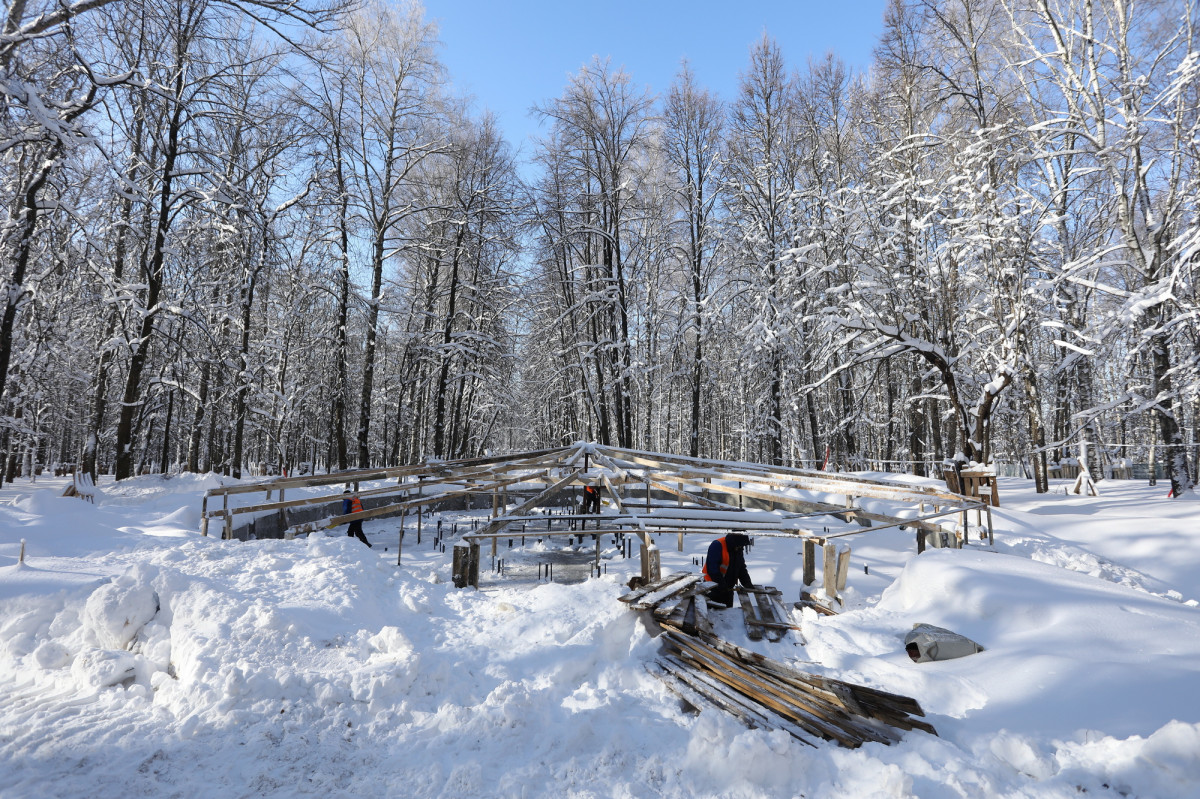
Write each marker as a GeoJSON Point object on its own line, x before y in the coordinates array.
{"type": "Point", "coordinates": [165, 466]}
{"type": "Point", "coordinates": [446, 356]}
{"type": "Point", "coordinates": [342, 354]}
{"type": "Point", "coordinates": [368, 382]}
{"type": "Point", "coordinates": [1037, 430]}
{"type": "Point", "coordinates": [153, 274]}
{"type": "Point", "coordinates": [1175, 450]}
{"type": "Point", "coordinates": [20, 247]}
{"type": "Point", "coordinates": [917, 426]}
{"type": "Point", "coordinates": [197, 426]}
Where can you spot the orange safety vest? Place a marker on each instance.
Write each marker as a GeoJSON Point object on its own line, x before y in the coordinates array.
{"type": "Point", "coordinates": [355, 505]}
{"type": "Point", "coordinates": [724, 562]}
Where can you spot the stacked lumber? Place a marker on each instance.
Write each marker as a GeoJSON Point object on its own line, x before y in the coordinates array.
{"type": "Point", "coordinates": [764, 613]}
{"type": "Point", "coordinates": [766, 694]}
{"type": "Point", "coordinates": [677, 600]}
{"type": "Point", "coordinates": [653, 594]}
{"type": "Point", "coordinates": [817, 603]}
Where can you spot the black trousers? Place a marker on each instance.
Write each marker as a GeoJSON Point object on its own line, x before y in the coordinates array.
{"type": "Point", "coordinates": [721, 595]}
{"type": "Point", "coordinates": [355, 529]}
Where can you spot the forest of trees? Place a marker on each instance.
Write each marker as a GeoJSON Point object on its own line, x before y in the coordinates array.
{"type": "Point", "coordinates": [249, 235]}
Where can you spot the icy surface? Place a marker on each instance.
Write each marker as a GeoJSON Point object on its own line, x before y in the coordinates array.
{"type": "Point", "coordinates": [139, 659]}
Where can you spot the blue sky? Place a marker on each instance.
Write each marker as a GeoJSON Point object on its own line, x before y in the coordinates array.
{"type": "Point", "coordinates": [511, 54]}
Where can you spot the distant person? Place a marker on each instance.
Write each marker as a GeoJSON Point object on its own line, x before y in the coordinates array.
{"type": "Point", "coordinates": [591, 499]}
{"type": "Point", "coordinates": [352, 504]}
{"type": "Point", "coordinates": [726, 566]}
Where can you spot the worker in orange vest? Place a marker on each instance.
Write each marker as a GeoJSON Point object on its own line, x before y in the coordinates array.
{"type": "Point", "coordinates": [726, 566]}
{"type": "Point", "coordinates": [591, 499]}
{"type": "Point", "coordinates": [352, 504]}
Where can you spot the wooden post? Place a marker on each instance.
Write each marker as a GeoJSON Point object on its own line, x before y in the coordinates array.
{"type": "Point", "coordinates": [227, 532]}
{"type": "Point", "coordinates": [830, 571]}
{"type": "Point", "coordinates": [473, 566]}
{"type": "Point", "coordinates": [810, 561]}
{"type": "Point", "coordinates": [843, 567]}
{"type": "Point", "coordinates": [204, 516]}
{"type": "Point", "coordinates": [651, 563]}
{"type": "Point", "coordinates": [461, 565]}
{"type": "Point", "coordinates": [21, 559]}
{"type": "Point", "coordinates": [400, 543]}
{"type": "Point", "coordinates": [920, 540]}
{"type": "Point", "coordinates": [283, 513]}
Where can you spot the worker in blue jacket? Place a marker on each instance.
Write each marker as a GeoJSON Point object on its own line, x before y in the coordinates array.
{"type": "Point", "coordinates": [726, 566]}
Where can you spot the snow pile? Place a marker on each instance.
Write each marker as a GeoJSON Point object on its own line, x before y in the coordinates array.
{"type": "Point", "coordinates": [137, 658]}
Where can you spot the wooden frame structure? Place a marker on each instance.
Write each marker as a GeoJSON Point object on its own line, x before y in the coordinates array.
{"type": "Point", "coordinates": [649, 494]}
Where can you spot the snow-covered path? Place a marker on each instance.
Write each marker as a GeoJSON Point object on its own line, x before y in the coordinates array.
{"type": "Point", "coordinates": [140, 659]}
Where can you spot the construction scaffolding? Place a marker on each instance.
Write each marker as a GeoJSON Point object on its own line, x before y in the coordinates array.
{"type": "Point", "coordinates": [647, 494]}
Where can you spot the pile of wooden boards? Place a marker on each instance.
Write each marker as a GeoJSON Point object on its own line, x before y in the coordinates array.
{"type": "Point", "coordinates": [677, 600]}
{"type": "Point", "coordinates": [764, 693]}
{"type": "Point", "coordinates": [764, 614]}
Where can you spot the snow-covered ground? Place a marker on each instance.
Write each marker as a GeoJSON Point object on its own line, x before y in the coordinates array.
{"type": "Point", "coordinates": [139, 659]}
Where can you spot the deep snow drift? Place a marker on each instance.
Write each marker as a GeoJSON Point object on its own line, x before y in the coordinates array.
{"type": "Point", "coordinates": [139, 659]}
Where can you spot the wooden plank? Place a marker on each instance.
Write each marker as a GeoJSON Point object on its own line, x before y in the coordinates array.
{"type": "Point", "coordinates": [613, 494]}
{"type": "Point", "coordinates": [503, 521]}
{"type": "Point", "coordinates": [810, 601]}
{"type": "Point", "coordinates": [830, 571]}
{"type": "Point", "coordinates": [957, 501]}
{"type": "Point", "coordinates": [703, 622]}
{"type": "Point", "coordinates": [810, 561]}
{"type": "Point", "coordinates": [721, 696]}
{"type": "Point", "coordinates": [893, 709]}
{"type": "Point", "coordinates": [652, 599]}
{"type": "Point", "coordinates": [469, 478]}
{"type": "Point", "coordinates": [638, 593]}
{"type": "Point", "coordinates": [805, 479]}
{"type": "Point", "coordinates": [843, 569]}
{"type": "Point", "coordinates": [699, 588]}
{"type": "Point", "coordinates": [365, 475]}
{"type": "Point", "coordinates": [684, 495]}
{"type": "Point", "coordinates": [754, 687]}
{"type": "Point", "coordinates": [827, 482]}
{"type": "Point", "coordinates": [775, 625]}
{"type": "Point", "coordinates": [395, 507]}
{"type": "Point", "coordinates": [701, 689]}
{"type": "Point", "coordinates": [754, 628]}
{"type": "Point", "coordinates": [671, 607]}
{"type": "Point", "coordinates": [706, 481]}
{"type": "Point", "coordinates": [824, 705]}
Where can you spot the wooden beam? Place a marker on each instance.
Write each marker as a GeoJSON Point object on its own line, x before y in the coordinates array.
{"type": "Point", "coordinates": [365, 475]}
{"type": "Point", "coordinates": [385, 510]}
{"type": "Point", "coordinates": [501, 522]}
{"type": "Point", "coordinates": [827, 482]}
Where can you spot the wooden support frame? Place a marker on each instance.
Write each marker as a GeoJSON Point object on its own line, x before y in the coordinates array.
{"type": "Point", "coordinates": [686, 483]}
